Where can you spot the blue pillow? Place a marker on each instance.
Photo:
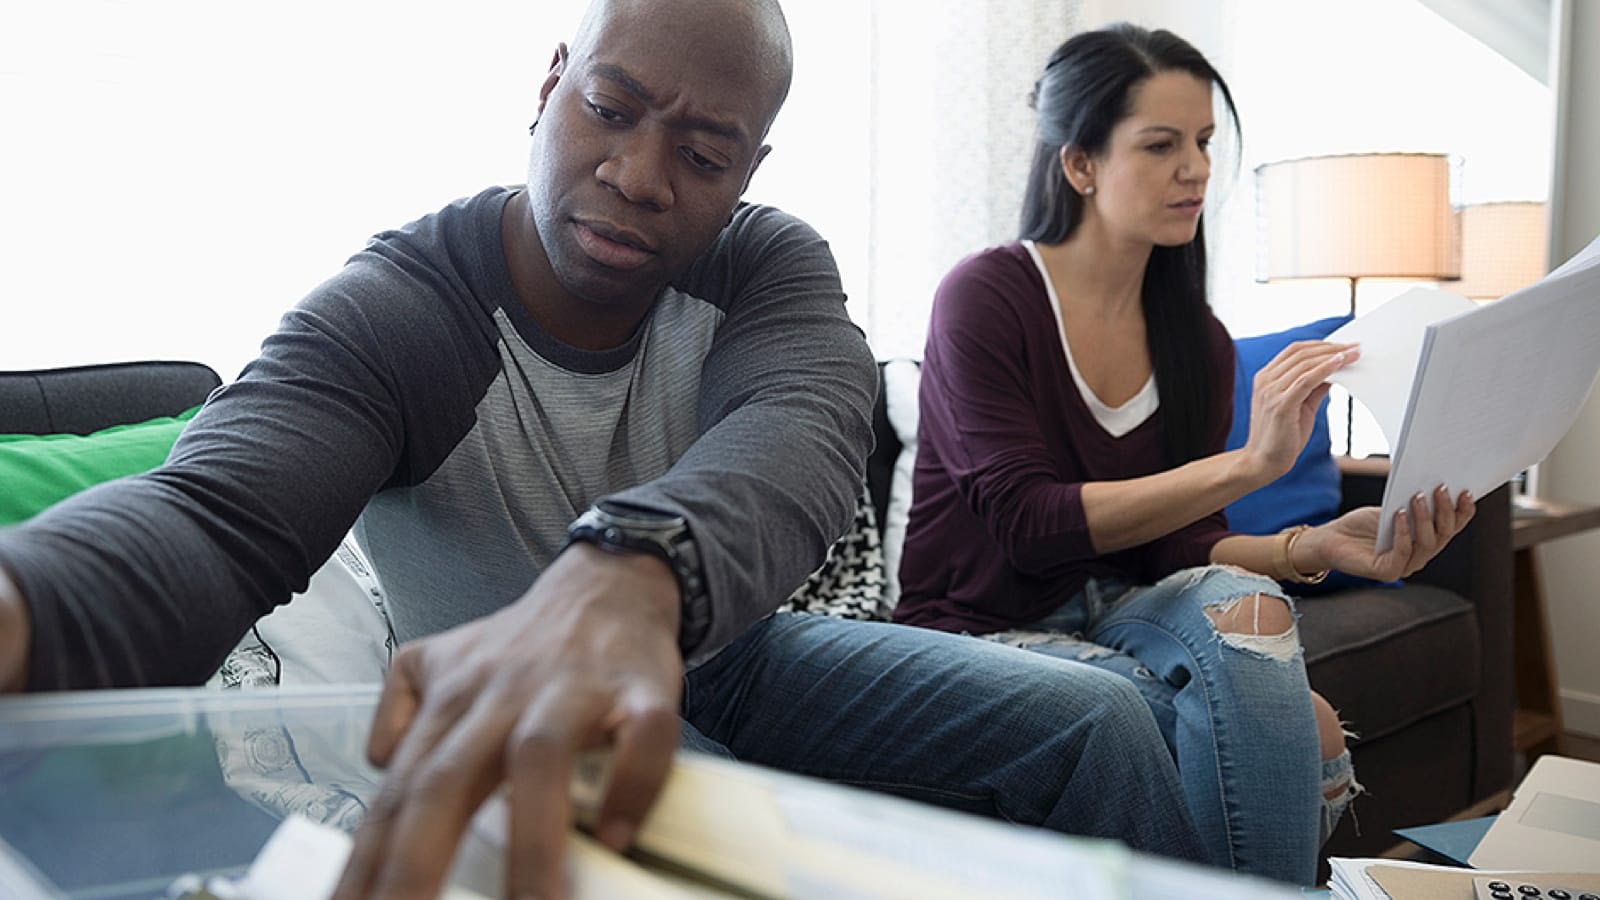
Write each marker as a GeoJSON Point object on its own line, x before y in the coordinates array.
{"type": "Point", "coordinates": [1309, 492]}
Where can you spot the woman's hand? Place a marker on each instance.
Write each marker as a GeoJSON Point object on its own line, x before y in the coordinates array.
{"type": "Point", "coordinates": [1284, 400]}
{"type": "Point", "coordinates": [1347, 542]}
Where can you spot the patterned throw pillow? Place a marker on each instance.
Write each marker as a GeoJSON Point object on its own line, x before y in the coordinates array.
{"type": "Point", "coordinates": [850, 582]}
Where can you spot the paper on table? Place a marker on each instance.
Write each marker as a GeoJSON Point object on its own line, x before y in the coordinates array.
{"type": "Point", "coordinates": [302, 861]}
{"type": "Point", "coordinates": [1395, 879]}
{"type": "Point", "coordinates": [1391, 344]}
{"type": "Point", "coordinates": [1409, 883]}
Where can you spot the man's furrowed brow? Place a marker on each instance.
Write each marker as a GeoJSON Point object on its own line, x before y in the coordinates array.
{"type": "Point", "coordinates": [613, 72]}
{"type": "Point", "coordinates": [617, 74]}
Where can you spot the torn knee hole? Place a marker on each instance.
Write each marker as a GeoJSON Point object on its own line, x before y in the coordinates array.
{"type": "Point", "coordinates": [1253, 615]}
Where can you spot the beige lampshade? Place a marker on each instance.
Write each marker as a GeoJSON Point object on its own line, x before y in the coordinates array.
{"type": "Point", "coordinates": [1365, 215]}
{"type": "Point", "coordinates": [1503, 248]}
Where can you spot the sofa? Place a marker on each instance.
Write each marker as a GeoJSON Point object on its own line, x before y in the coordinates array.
{"type": "Point", "coordinates": [84, 399]}
{"type": "Point", "coordinates": [1422, 672]}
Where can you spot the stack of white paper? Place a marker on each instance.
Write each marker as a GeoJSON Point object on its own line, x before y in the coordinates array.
{"type": "Point", "coordinates": [1470, 395]}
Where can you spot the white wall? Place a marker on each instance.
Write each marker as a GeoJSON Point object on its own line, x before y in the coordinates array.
{"type": "Point", "coordinates": [1571, 566]}
{"type": "Point", "coordinates": [177, 173]}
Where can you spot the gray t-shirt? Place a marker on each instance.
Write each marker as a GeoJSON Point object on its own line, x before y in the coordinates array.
{"type": "Point", "coordinates": [412, 396]}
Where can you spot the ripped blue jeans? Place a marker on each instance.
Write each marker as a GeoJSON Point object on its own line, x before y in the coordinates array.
{"type": "Point", "coordinates": [1235, 710]}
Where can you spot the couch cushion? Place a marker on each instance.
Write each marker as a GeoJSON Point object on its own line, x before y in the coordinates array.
{"type": "Point", "coordinates": [36, 471]}
{"type": "Point", "coordinates": [850, 582]}
{"type": "Point", "coordinates": [901, 380]}
{"type": "Point", "coordinates": [1388, 657]}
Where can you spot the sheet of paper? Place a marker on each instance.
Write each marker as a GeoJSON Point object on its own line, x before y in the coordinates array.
{"type": "Point", "coordinates": [1407, 883]}
{"type": "Point", "coordinates": [1497, 388]}
{"type": "Point", "coordinates": [1395, 879]}
{"type": "Point", "coordinates": [1391, 344]}
{"type": "Point", "coordinates": [1553, 822]}
{"type": "Point", "coordinates": [303, 860]}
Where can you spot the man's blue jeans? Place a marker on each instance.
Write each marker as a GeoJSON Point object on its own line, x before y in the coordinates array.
{"type": "Point", "coordinates": [1235, 710]}
{"type": "Point", "coordinates": [946, 719]}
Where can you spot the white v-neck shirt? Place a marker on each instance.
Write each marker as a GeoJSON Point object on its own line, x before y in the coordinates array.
{"type": "Point", "coordinates": [1116, 420]}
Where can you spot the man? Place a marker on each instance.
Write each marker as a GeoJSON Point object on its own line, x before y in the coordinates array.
{"type": "Point", "coordinates": [640, 397]}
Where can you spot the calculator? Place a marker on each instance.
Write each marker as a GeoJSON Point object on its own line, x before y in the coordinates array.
{"type": "Point", "coordinates": [1490, 887]}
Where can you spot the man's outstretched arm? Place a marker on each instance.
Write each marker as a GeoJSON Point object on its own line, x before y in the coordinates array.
{"type": "Point", "coordinates": [13, 637]}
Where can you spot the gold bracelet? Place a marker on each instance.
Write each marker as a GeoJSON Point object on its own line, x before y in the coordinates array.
{"type": "Point", "coordinates": [1286, 569]}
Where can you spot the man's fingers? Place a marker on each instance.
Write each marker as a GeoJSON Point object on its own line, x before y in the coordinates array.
{"type": "Point", "coordinates": [396, 707]}
{"type": "Point", "coordinates": [541, 752]}
{"type": "Point", "coordinates": [443, 790]}
{"type": "Point", "coordinates": [372, 852]}
{"type": "Point", "coordinates": [642, 757]}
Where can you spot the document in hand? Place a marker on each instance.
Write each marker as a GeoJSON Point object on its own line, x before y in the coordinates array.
{"type": "Point", "coordinates": [1468, 395]}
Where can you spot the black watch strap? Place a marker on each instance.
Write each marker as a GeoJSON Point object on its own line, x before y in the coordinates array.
{"type": "Point", "coordinates": [630, 529]}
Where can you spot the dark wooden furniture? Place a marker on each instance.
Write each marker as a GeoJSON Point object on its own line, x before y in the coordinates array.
{"type": "Point", "coordinates": [1538, 716]}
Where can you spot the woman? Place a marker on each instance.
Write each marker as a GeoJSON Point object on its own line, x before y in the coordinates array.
{"type": "Point", "coordinates": [1070, 475]}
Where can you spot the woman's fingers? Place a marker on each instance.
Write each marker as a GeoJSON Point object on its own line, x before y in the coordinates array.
{"type": "Point", "coordinates": [1424, 536]}
{"type": "Point", "coordinates": [1299, 373]}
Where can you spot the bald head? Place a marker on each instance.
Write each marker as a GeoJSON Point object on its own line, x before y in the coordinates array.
{"type": "Point", "coordinates": [748, 39]}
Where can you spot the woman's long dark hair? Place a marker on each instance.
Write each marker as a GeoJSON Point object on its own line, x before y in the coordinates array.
{"type": "Point", "coordinates": [1086, 89]}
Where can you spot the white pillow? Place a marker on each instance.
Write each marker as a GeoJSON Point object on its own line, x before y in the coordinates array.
{"type": "Point", "coordinates": [335, 632]}
{"type": "Point", "coordinates": [900, 380]}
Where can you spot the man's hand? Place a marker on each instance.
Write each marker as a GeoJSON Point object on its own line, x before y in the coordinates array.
{"type": "Point", "coordinates": [1347, 542]}
{"type": "Point", "coordinates": [587, 659]}
{"type": "Point", "coordinates": [14, 636]}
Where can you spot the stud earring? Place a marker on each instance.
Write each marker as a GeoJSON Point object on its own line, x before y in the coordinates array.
{"type": "Point", "coordinates": [1089, 191]}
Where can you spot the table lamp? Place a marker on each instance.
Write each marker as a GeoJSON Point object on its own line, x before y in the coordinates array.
{"type": "Point", "coordinates": [1361, 215]}
{"type": "Point", "coordinates": [1503, 248]}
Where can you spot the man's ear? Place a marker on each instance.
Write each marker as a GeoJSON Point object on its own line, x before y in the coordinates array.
{"type": "Point", "coordinates": [558, 66]}
{"type": "Point", "coordinates": [1078, 166]}
{"type": "Point", "coordinates": [761, 154]}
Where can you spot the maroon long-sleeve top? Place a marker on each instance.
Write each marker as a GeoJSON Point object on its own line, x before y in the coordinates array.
{"type": "Point", "coordinates": [997, 536]}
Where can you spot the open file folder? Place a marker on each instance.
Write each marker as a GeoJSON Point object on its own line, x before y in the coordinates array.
{"type": "Point", "coordinates": [725, 829]}
{"type": "Point", "coordinates": [1469, 395]}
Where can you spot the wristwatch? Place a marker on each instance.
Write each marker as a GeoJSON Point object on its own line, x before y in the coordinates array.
{"type": "Point", "coordinates": [624, 528]}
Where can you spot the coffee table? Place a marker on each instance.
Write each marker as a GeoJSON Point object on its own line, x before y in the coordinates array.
{"type": "Point", "coordinates": [116, 794]}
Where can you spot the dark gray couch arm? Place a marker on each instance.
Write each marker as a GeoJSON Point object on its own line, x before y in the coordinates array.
{"type": "Point", "coordinates": [85, 399]}
{"type": "Point", "coordinates": [1477, 566]}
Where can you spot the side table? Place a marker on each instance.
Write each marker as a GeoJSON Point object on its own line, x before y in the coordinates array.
{"type": "Point", "coordinates": [1534, 521]}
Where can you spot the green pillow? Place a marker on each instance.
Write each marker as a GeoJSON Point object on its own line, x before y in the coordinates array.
{"type": "Point", "coordinates": [37, 470]}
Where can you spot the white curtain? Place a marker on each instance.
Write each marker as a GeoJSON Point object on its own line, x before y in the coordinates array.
{"type": "Point", "coordinates": [951, 136]}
